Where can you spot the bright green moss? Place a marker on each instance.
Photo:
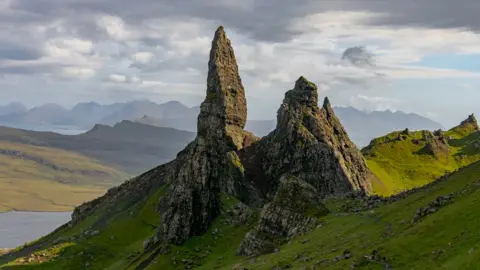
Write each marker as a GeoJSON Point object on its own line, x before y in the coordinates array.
{"type": "Point", "coordinates": [235, 159]}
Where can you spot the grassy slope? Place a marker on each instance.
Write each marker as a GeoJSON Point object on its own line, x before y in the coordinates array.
{"type": "Point", "coordinates": [29, 185]}
{"type": "Point", "coordinates": [401, 165]}
{"type": "Point", "coordinates": [133, 147]}
{"type": "Point", "coordinates": [447, 239]}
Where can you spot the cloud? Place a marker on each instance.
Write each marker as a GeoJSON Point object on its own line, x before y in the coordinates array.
{"type": "Point", "coordinates": [374, 103]}
{"type": "Point", "coordinates": [359, 56]}
{"type": "Point", "coordinates": [77, 73]}
{"type": "Point", "coordinates": [161, 47]}
{"type": "Point", "coordinates": [143, 57]}
{"type": "Point", "coordinates": [123, 79]}
{"type": "Point", "coordinates": [65, 47]}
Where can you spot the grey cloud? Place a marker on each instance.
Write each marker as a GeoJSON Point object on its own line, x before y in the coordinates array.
{"type": "Point", "coordinates": [262, 20]}
{"type": "Point", "coordinates": [27, 69]}
{"type": "Point", "coordinates": [359, 56]}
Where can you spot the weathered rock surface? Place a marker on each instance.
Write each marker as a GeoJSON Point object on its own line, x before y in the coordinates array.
{"type": "Point", "coordinates": [432, 207]}
{"type": "Point", "coordinates": [294, 210]}
{"type": "Point", "coordinates": [471, 121]}
{"type": "Point", "coordinates": [436, 144]}
{"type": "Point", "coordinates": [309, 142]}
{"type": "Point", "coordinates": [306, 158]}
{"type": "Point", "coordinates": [208, 165]}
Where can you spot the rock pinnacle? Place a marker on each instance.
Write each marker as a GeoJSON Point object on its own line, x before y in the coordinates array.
{"type": "Point", "coordinates": [471, 121]}
{"type": "Point", "coordinates": [223, 113]}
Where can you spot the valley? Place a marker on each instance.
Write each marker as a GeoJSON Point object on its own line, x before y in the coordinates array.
{"type": "Point", "coordinates": [302, 197]}
{"type": "Point", "coordinates": [46, 171]}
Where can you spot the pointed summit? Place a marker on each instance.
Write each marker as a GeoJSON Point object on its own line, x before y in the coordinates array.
{"type": "Point", "coordinates": [302, 84]}
{"type": "Point", "coordinates": [206, 166]}
{"type": "Point", "coordinates": [467, 126]}
{"type": "Point", "coordinates": [303, 94]}
{"type": "Point", "coordinates": [311, 143]}
{"type": "Point", "coordinates": [326, 103]}
{"type": "Point", "coordinates": [471, 121]}
{"type": "Point", "coordinates": [225, 106]}
{"type": "Point", "coordinates": [309, 152]}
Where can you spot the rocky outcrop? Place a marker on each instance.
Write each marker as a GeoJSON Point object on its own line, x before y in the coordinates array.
{"type": "Point", "coordinates": [433, 207]}
{"type": "Point", "coordinates": [207, 166]}
{"type": "Point", "coordinates": [435, 144]}
{"type": "Point", "coordinates": [294, 210]}
{"type": "Point", "coordinates": [470, 122]}
{"type": "Point", "coordinates": [309, 142]}
{"type": "Point", "coordinates": [306, 158]}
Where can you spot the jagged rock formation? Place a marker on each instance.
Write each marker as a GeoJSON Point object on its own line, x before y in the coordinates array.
{"type": "Point", "coordinates": [309, 142]}
{"type": "Point", "coordinates": [436, 144]}
{"type": "Point", "coordinates": [294, 209]}
{"type": "Point", "coordinates": [306, 158]}
{"type": "Point", "coordinates": [207, 166]}
{"type": "Point", "coordinates": [471, 121]}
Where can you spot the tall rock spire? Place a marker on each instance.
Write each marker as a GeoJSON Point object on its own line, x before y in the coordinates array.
{"type": "Point", "coordinates": [223, 113]}
{"type": "Point", "coordinates": [208, 165]}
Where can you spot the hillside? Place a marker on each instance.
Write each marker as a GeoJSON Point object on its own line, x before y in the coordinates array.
{"type": "Point", "coordinates": [361, 126]}
{"type": "Point", "coordinates": [405, 160]}
{"type": "Point", "coordinates": [37, 178]}
{"type": "Point", "coordinates": [46, 171]}
{"type": "Point", "coordinates": [369, 239]}
{"type": "Point", "coordinates": [298, 198]}
{"type": "Point", "coordinates": [131, 147]}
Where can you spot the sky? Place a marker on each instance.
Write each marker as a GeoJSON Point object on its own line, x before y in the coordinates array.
{"type": "Point", "coordinates": [420, 56]}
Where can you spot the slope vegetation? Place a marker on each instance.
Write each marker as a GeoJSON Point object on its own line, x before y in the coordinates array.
{"type": "Point", "coordinates": [34, 178]}
{"type": "Point", "coordinates": [297, 198]}
{"type": "Point", "coordinates": [390, 234]}
{"type": "Point", "coordinates": [405, 160]}
{"type": "Point", "coordinates": [131, 147]}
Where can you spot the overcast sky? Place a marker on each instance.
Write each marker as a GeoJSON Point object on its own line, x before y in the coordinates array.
{"type": "Point", "coordinates": [418, 56]}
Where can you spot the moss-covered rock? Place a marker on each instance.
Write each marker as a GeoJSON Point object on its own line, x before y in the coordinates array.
{"type": "Point", "coordinates": [294, 210]}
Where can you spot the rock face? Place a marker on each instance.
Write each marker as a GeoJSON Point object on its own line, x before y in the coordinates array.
{"type": "Point", "coordinates": [208, 166]}
{"type": "Point", "coordinates": [310, 143]}
{"type": "Point", "coordinates": [223, 114]}
{"type": "Point", "coordinates": [436, 144]}
{"type": "Point", "coordinates": [433, 207]}
{"type": "Point", "coordinates": [471, 121]}
{"type": "Point", "coordinates": [294, 209]}
{"type": "Point", "coordinates": [306, 158]}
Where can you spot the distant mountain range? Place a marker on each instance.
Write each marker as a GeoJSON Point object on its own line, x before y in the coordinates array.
{"type": "Point", "coordinates": [361, 126]}
{"type": "Point", "coordinates": [129, 146]}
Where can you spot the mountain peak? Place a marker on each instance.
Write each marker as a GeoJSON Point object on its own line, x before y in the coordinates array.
{"type": "Point", "coordinates": [225, 105]}
{"type": "Point", "coordinates": [303, 94]}
{"type": "Point", "coordinates": [326, 104]}
{"type": "Point", "coordinates": [309, 150]}
{"type": "Point", "coordinates": [220, 30]}
{"type": "Point", "coordinates": [302, 84]}
{"type": "Point", "coordinates": [470, 121]}
{"type": "Point", "coordinates": [205, 167]}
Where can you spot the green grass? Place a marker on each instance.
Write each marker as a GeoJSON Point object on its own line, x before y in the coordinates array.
{"type": "Point", "coordinates": [403, 164]}
{"type": "Point", "coordinates": [447, 239]}
{"type": "Point", "coordinates": [49, 179]}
